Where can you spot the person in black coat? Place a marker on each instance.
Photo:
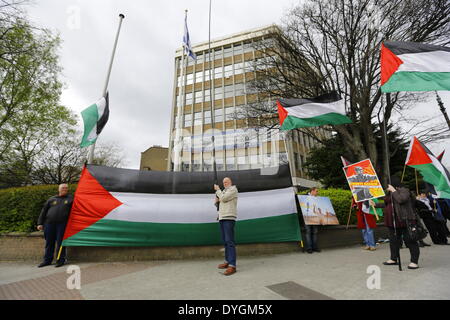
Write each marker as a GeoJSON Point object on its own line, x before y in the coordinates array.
{"type": "Point", "coordinates": [53, 220]}
{"type": "Point", "coordinates": [426, 212]}
{"type": "Point", "coordinates": [398, 213]}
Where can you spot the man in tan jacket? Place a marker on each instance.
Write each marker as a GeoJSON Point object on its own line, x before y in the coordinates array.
{"type": "Point", "coordinates": [227, 218]}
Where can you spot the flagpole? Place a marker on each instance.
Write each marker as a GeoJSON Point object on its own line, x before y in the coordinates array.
{"type": "Point", "coordinates": [441, 106]}
{"type": "Point", "coordinates": [388, 171]}
{"type": "Point", "coordinates": [105, 88]}
{"type": "Point", "coordinates": [211, 104]}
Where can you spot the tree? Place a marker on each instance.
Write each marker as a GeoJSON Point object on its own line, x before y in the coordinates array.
{"type": "Point", "coordinates": [38, 140]}
{"type": "Point", "coordinates": [335, 45]}
{"type": "Point", "coordinates": [324, 163]}
{"type": "Point", "coordinates": [63, 160]}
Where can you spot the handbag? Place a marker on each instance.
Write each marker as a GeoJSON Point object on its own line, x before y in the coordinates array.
{"type": "Point", "coordinates": [416, 230]}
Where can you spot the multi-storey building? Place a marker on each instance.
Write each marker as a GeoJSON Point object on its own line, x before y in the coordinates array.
{"type": "Point", "coordinates": [237, 146]}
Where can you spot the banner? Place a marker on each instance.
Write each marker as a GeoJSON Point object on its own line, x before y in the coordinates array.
{"type": "Point", "coordinates": [363, 181]}
{"type": "Point", "coordinates": [317, 210]}
{"type": "Point", "coordinates": [123, 207]}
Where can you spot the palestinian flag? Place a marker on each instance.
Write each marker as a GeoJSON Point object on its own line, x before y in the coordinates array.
{"type": "Point", "coordinates": [412, 66]}
{"type": "Point", "coordinates": [431, 169]}
{"type": "Point", "coordinates": [345, 162]}
{"type": "Point", "coordinates": [430, 187]}
{"type": "Point", "coordinates": [122, 207]}
{"type": "Point", "coordinates": [314, 112]}
{"type": "Point", "coordinates": [94, 118]}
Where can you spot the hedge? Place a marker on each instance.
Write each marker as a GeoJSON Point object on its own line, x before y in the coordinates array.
{"type": "Point", "coordinates": [20, 207]}
{"type": "Point", "coordinates": [341, 200]}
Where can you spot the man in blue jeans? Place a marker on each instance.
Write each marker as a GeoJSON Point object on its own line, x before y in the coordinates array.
{"type": "Point", "coordinates": [312, 230]}
{"type": "Point", "coordinates": [227, 218]}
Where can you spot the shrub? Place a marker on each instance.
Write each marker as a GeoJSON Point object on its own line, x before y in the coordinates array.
{"type": "Point", "coordinates": [20, 207]}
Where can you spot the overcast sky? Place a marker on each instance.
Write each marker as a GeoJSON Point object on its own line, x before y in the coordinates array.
{"type": "Point", "coordinates": [141, 83]}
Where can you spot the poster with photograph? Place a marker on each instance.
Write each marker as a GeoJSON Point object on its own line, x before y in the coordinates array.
{"type": "Point", "coordinates": [363, 181]}
{"type": "Point", "coordinates": [317, 210]}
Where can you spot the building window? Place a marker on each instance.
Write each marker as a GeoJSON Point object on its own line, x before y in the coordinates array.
{"type": "Point", "coordinates": [238, 68]}
{"type": "Point", "coordinates": [228, 52]}
{"type": "Point", "coordinates": [230, 163]}
{"type": "Point", "coordinates": [188, 120]}
{"type": "Point", "coordinates": [228, 71]}
{"type": "Point", "coordinates": [206, 98]}
{"type": "Point", "coordinates": [207, 117]}
{"type": "Point", "coordinates": [218, 54]}
{"type": "Point", "coordinates": [197, 118]}
{"type": "Point", "coordinates": [248, 47]}
{"type": "Point", "coordinates": [218, 72]}
{"type": "Point", "coordinates": [229, 113]}
{"type": "Point", "coordinates": [198, 77]}
{"type": "Point", "coordinates": [198, 96]}
{"type": "Point", "coordinates": [230, 139]}
{"type": "Point", "coordinates": [218, 93]}
{"type": "Point", "coordinates": [188, 98]}
{"type": "Point", "coordinates": [239, 89]}
{"type": "Point", "coordinates": [218, 115]}
{"type": "Point", "coordinates": [229, 92]}
{"type": "Point", "coordinates": [249, 66]}
{"type": "Point", "coordinates": [189, 78]}
{"type": "Point", "coordinates": [237, 49]}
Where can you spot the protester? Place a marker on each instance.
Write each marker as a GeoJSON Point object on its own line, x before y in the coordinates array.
{"type": "Point", "coordinates": [366, 223]}
{"type": "Point", "coordinates": [443, 205]}
{"type": "Point", "coordinates": [312, 230]}
{"type": "Point", "coordinates": [398, 212]}
{"type": "Point", "coordinates": [425, 209]}
{"type": "Point", "coordinates": [227, 218]}
{"type": "Point", "coordinates": [53, 220]}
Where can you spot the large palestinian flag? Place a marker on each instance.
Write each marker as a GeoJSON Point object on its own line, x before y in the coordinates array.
{"type": "Point", "coordinates": [299, 113]}
{"type": "Point", "coordinates": [122, 207]}
{"type": "Point", "coordinates": [431, 169]}
{"type": "Point", "coordinates": [412, 66]}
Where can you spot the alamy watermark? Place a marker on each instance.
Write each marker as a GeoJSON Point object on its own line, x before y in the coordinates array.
{"type": "Point", "coordinates": [374, 280]}
{"type": "Point", "coordinates": [74, 280]}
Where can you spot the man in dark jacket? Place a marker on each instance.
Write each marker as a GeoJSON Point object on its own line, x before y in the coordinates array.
{"type": "Point", "coordinates": [53, 220]}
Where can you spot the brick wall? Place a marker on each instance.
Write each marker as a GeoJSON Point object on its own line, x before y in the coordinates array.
{"type": "Point", "coordinates": [22, 246]}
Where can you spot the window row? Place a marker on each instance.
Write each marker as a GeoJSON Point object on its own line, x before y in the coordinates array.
{"type": "Point", "coordinates": [219, 93]}
{"type": "Point", "coordinates": [237, 163]}
{"type": "Point", "coordinates": [218, 72]}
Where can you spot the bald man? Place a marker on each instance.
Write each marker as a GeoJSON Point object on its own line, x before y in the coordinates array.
{"type": "Point", "coordinates": [227, 219]}
{"type": "Point", "coordinates": [53, 220]}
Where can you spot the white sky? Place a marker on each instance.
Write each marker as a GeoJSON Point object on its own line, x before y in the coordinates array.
{"type": "Point", "coordinates": [141, 83]}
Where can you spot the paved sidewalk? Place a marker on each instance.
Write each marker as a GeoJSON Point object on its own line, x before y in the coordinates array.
{"type": "Point", "coordinates": [332, 274]}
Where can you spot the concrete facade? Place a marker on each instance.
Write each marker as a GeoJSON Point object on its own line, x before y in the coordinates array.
{"type": "Point", "coordinates": [154, 158]}
{"type": "Point", "coordinates": [203, 108]}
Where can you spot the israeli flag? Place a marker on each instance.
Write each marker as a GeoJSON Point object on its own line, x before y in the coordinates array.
{"type": "Point", "coordinates": [187, 41]}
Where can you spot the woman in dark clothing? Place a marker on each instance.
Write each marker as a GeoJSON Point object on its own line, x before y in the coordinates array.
{"type": "Point", "coordinates": [427, 214]}
{"type": "Point", "coordinates": [398, 204]}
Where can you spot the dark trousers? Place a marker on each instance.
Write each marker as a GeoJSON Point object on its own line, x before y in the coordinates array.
{"type": "Point", "coordinates": [53, 234]}
{"type": "Point", "coordinates": [394, 243]}
{"type": "Point", "coordinates": [436, 230]}
{"type": "Point", "coordinates": [311, 236]}
{"type": "Point", "coordinates": [227, 232]}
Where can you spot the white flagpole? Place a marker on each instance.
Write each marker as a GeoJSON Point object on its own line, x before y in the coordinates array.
{"type": "Point", "coordinates": [105, 88]}
{"type": "Point", "coordinates": [180, 108]}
